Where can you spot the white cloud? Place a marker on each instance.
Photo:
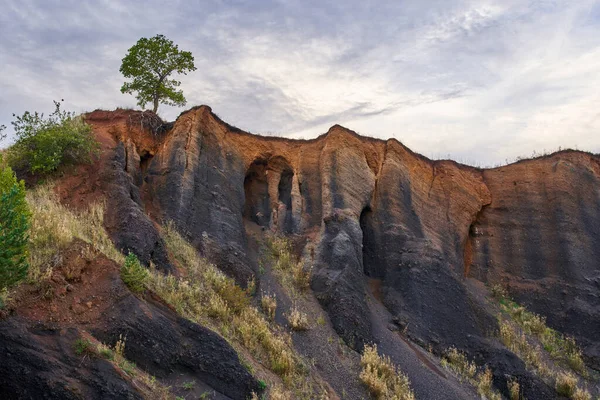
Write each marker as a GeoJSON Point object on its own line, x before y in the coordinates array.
{"type": "Point", "coordinates": [481, 81]}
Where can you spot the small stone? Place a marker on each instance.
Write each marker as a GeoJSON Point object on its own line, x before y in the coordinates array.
{"type": "Point", "coordinates": [89, 304]}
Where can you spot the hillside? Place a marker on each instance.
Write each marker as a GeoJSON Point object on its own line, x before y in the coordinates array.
{"type": "Point", "coordinates": [274, 264]}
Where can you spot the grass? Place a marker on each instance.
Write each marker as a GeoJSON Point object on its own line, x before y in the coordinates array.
{"type": "Point", "coordinates": [457, 362]}
{"type": "Point", "coordinates": [54, 227]}
{"type": "Point", "coordinates": [297, 319]}
{"type": "Point", "coordinates": [514, 389]}
{"type": "Point", "coordinates": [519, 328]}
{"type": "Point", "coordinates": [559, 347]}
{"type": "Point", "coordinates": [268, 303]}
{"type": "Point", "coordinates": [291, 273]}
{"type": "Point", "coordinates": [209, 297]}
{"type": "Point", "coordinates": [82, 346]}
{"type": "Point", "coordinates": [383, 379]}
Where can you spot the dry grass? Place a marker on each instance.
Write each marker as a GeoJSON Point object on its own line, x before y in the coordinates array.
{"type": "Point", "coordinates": [466, 370]}
{"type": "Point", "coordinates": [514, 389]}
{"type": "Point", "coordinates": [517, 342]}
{"type": "Point", "coordinates": [268, 303]}
{"type": "Point", "coordinates": [54, 227]}
{"type": "Point", "coordinates": [581, 394]}
{"type": "Point", "coordinates": [145, 383]}
{"type": "Point", "coordinates": [566, 384]}
{"type": "Point", "coordinates": [297, 319]}
{"type": "Point", "coordinates": [558, 346]}
{"type": "Point", "coordinates": [291, 273]}
{"type": "Point", "coordinates": [458, 362]}
{"type": "Point", "coordinates": [383, 379]}
{"type": "Point", "coordinates": [207, 296]}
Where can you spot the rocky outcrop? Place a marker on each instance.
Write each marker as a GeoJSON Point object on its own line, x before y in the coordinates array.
{"type": "Point", "coordinates": [426, 231]}
{"type": "Point", "coordinates": [540, 236]}
{"type": "Point", "coordinates": [37, 342]}
{"type": "Point", "coordinates": [376, 209]}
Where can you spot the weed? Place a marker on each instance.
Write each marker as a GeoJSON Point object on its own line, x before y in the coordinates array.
{"type": "Point", "coordinates": [189, 385]}
{"type": "Point", "coordinates": [382, 377]}
{"type": "Point", "coordinates": [82, 346]}
{"type": "Point", "coordinates": [557, 345]}
{"type": "Point", "coordinates": [457, 361]}
{"type": "Point", "coordinates": [514, 389]}
{"type": "Point", "coordinates": [251, 287]}
{"type": "Point", "coordinates": [484, 384]}
{"type": "Point", "coordinates": [269, 305]}
{"type": "Point", "coordinates": [297, 319]}
{"type": "Point", "coordinates": [566, 384]}
{"type": "Point", "coordinates": [105, 352]}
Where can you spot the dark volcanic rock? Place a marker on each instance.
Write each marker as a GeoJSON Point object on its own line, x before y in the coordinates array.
{"type": "Point", "coordinates": [38, 362]}
{"type": "Point", "coordinates": [165, 345]}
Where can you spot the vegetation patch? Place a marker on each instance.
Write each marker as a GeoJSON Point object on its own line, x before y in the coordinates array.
{"type": "Point", "coordinates": [209, 297]}
{"type": "Point", "coordinates": [457, 362]}
{"type": "Point", "coordinates": [297, 319]}
{"type": "Point", "coordinates": [384, 380]}
{"type": "Point", "coordinates": [54, 227]}
{"type": "Point", "coordinates": [15, 221]}
{"type": "Point", "coordinates": [559, 347]}
{"type": "Point", "coordinates": [291, 273]}
{"type": "Point", "coordinates": [268, 303]}
{"type": "Point", "coordinates": [519, 331]}
{"type": "Point", "coordinates": [45, 143]}
{"type": "Point", "coordinates": [133, 274]}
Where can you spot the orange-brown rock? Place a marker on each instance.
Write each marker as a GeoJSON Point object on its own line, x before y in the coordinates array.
{"type": "Point", "coordinates": [424, 230]}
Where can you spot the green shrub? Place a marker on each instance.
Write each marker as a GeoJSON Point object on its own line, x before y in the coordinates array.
{"type": "Point", "coordinates": [82, 346]}
{"type": "Point", "coordinates": [14, 228]}
{"type": "Point", "coordinates": [133, 274]}
{"type": "Point", "coordinates": [44, 144]}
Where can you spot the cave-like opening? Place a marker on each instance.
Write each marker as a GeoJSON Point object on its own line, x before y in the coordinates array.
{"type": "Point", "coordinates": [256, 190]}
{"type": "Point", "coordinates": [285, 198]}
{"type": "Point", "coordinates": [371, 261]}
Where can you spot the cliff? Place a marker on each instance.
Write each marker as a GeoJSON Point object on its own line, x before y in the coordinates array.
{"type": "Point", "coordinates": [377, 222]}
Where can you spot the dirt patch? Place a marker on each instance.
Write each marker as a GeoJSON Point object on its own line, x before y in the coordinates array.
{"type": "Point", "coordinates": [82, 286]}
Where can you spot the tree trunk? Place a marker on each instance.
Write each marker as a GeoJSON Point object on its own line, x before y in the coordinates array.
{"type": "Point", "coordinates": [155, 104]}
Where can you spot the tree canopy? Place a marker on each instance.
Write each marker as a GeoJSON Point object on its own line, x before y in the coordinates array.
{"type": "Point", "coordinates": [149, 63]}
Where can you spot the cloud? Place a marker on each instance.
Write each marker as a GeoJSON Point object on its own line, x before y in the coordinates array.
{"type": "Point", "coordinates": [480, 81]}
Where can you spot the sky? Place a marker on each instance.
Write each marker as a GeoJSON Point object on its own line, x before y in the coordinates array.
{"type": "Point", "coordinates": [481, 82]}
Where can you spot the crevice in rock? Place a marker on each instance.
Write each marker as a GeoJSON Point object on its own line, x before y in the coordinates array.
{"type": "Point", "coordinates": [145, 158]}
{"type": "Point", "coordinates": [285, 197]}
{"type": "Point", "coordinates": [371, 265]}
{"type": "Point", "coordinates": [256, 190]}
{"type": "Point", "coordinates": [470, 242]}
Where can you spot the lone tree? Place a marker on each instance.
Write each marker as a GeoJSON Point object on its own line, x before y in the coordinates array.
{"type": "Point", "coordinates": [149, 63]}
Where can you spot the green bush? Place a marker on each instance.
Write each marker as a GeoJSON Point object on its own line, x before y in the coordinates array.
{"type": "Point", "coordinates": [44, 144]}
{"type": "Point", "coordinates": [133, 274]}
{"type": "Point", "coordinates": [14, 228]}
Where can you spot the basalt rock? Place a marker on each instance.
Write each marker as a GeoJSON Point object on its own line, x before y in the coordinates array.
{"type": "Point", "coordinates": [425, 230]}
{"type": "Point", "coordinates": [375, 209]}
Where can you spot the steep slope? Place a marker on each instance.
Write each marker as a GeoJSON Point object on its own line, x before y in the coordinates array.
{"type": "Point", "coordinates": [399, 246]}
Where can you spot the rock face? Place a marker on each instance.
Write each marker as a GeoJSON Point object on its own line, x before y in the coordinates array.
{"type": "Point", "coordinates": [375, 209]}
{"type": "Point", "coordinates": [425, 231]}
{"type": "Point", "coordinates": [540, 235]}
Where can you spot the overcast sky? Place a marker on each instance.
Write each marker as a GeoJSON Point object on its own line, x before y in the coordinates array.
{"type": "Point", "coordinates": [476, 81]}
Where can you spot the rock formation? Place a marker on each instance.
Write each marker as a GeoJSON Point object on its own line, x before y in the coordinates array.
{"type": "Point", "coordinates": [426, 232]}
